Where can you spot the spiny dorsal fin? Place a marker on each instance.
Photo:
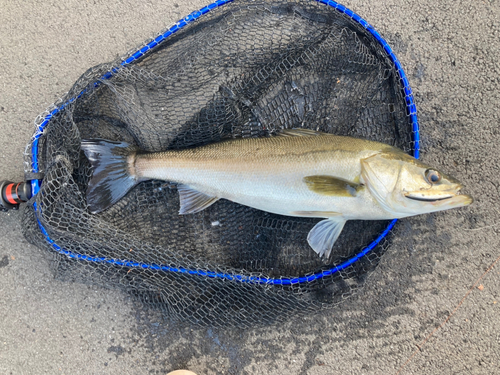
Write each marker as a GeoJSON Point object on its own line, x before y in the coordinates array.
{"type": "Point", "coordinates": [332, 186]}
{"type": "Point", "coordinates": [299, 132]}
{"type": "Point", "coordinates": [324, 234]}
{"type": "Point", "coordinates": [193, 201]}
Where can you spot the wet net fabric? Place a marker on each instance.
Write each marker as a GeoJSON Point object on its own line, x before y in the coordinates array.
{"type": "Point", "coordinates": [245, 69]}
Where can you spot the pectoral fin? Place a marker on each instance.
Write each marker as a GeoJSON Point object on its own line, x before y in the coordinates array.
{"type": "Point", "coordinates": [332, 186]}
{"type": "Point", "coordinates": [324, 234]}
{"type": "Point", "coordinates": [193, 201]}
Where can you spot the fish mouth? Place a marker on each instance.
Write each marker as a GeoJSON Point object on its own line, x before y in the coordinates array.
{"type": "Point", "coordinates": [450, 199]}
{"type": "Point", "coordinates": [427, 199]}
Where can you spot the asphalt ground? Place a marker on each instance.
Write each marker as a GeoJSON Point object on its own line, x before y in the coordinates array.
{"type": "Point", "coordinates": [450, 51]}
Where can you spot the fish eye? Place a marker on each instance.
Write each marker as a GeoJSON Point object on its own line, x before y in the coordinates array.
{"type": "Point", "coordinates": [432, 176]}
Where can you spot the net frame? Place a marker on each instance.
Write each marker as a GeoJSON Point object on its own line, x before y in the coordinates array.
{"type": "Point", "coordinates": [44, 120]}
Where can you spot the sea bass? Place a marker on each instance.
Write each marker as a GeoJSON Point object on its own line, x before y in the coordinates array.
{"type": "Point", "coordinates": [297, 173]}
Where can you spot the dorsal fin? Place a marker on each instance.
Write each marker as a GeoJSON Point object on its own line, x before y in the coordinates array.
{"type": "Point", "coordinates": [299, 132]}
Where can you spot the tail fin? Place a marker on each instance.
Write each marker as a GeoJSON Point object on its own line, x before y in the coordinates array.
{"type": "Point", "coordinates": [112, 178]}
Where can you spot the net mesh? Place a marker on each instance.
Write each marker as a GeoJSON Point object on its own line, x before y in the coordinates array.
{"type": "Point", "coordinates": [245, 69]}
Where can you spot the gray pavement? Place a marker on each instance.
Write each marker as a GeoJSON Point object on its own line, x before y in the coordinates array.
{"type": "Point", "coordinates": [450, 51]}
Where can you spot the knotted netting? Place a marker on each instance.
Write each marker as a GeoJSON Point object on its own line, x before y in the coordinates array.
{"type": "Point", "coordinates": [233, 69]}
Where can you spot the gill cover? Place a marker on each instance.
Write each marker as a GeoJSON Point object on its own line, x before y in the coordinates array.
{"type": "Point", "coordinates": [380, 173]}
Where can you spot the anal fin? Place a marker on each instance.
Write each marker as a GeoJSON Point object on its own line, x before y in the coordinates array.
{"type": "Point", "coordinates": [324, 234]}
{"type": "Point", "coordinates": [192, 201]}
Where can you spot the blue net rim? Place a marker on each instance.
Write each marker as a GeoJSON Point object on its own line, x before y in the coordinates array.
{"type": "Point", "coordinates": [411, 110]}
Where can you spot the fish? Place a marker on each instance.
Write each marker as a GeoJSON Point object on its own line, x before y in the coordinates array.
{"type": "Point", "coordinates": [299, 172]}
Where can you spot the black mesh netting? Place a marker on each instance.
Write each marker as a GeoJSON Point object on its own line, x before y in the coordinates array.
{"type": "Point", "coordinates": [246, 69]}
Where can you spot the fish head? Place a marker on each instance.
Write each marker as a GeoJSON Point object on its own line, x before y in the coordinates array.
{"type": "Point", "coordinates": [404, 186]}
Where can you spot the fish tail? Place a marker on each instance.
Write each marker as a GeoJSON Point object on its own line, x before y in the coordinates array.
{"type": "Point", "coordinates": [113, 172]}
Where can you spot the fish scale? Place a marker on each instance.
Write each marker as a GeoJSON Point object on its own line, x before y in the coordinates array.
{"type": "Point", "coordinates": [264, 173]}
